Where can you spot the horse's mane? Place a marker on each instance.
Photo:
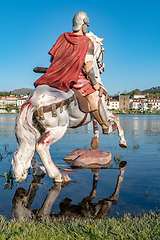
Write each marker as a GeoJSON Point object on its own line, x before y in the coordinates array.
{"type": "Point", "coordinates": [94, 38]}
{"type": "Point", "coordinates": [98, 46]}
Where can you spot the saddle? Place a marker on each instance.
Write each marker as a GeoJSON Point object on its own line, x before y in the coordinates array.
{"type": "Point", "coordinates": [82, 101]}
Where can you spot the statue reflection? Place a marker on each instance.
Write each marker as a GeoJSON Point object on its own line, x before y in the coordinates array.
{"type": "Point", "coordinates": [22, 201]}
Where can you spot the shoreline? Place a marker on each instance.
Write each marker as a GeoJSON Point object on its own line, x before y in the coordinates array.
{"type": "Point", "coordinates": [8, 113]}
{"type": "Point", "coordinates": [135, 113]}
{"type": "Point", "coordinates": [122, 113]}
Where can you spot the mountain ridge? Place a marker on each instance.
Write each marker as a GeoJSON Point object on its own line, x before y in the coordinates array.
{"type": "Point", "coordinates": [21, 91]}
{"type": "Point", "coordinates": [152, 90]}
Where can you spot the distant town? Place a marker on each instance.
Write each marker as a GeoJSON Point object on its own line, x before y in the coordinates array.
{"type": "Point", "coordinates": [138, 102]}
{"type": "Point", "coordinates": [11, 103]}
{"type": "Point", "coordinates": [146, 101]}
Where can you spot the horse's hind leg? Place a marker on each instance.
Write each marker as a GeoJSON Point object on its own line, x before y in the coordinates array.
{"type": "Point", "coordinates": [42, 148]}
{"type": "Point", "coordinates": [114, 118]}
{"type": "Point", "coordinates": [26, 137]}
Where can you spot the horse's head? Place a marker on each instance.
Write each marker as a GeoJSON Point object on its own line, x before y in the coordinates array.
{"type": "Point", "coordinates": [98, 63]}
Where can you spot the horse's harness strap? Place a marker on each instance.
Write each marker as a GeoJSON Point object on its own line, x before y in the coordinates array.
{"type": "Point", "coordinates": [53, 107]}
{"type": "Point", "coordinates": [81, 122]}
{"type": "Point", "coordinates": [100, 116]}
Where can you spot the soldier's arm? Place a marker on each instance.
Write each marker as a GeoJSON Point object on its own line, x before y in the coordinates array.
{"type": "Point", "coordinates": [88, 66]}
{"type": "Point", "coordinates": [91, 75]}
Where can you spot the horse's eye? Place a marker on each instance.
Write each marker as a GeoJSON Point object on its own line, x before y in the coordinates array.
{"type": "Point", "coordinates": [99, 64]}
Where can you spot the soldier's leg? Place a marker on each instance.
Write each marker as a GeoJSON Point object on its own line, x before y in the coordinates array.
{"type": "Point", "coordinates": [93, 100]}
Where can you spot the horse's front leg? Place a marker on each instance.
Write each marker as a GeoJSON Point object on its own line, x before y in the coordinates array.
{"type": "Point", "coordinates": [95, 139]}
{"type": "Point", "coordinates": [42, 148]}
{"type": "Point", "coordinates": [49, 200]}
{"type": "Point", "coordinates": [114, 118]}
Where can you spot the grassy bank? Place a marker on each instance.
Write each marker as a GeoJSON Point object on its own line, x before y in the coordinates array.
{"type": "Point", "coordinates": [140, 227]}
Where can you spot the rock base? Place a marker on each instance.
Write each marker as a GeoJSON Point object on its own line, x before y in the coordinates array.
{"type": "Point", "coordinates": [89, 158]}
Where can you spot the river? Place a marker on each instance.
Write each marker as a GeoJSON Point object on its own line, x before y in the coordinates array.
{"type": "Point", "coordinates": [135, 191]}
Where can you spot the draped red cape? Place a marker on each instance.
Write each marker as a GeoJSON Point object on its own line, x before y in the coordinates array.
{"type": "Point", "coordinates": [68, 58]}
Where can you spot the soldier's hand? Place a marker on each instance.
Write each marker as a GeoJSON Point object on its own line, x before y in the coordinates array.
{"type": "Point", "coordinates": [96, 86]}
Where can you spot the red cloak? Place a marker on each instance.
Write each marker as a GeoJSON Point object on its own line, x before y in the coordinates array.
{"type": "Point", "coordinates": [68, 58]}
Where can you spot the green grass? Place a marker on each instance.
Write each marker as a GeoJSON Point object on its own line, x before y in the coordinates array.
{"type": "Point", "coordinates": [146, 226]}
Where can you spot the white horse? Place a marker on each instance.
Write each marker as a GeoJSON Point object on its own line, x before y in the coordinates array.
{"type": "Point", "coordinates": [45, 117]}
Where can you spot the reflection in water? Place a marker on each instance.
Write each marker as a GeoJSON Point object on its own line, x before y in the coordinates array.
{"type": "Point", "coordinates": [22, 201]}
{"type": "Point", "coordinates": [7, 124]}
{"type": "Point", "coordinates": [143, 123]}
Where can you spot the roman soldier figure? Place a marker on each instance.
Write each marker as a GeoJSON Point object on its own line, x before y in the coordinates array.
{"type": "Point", "coordinates": [71, 65]}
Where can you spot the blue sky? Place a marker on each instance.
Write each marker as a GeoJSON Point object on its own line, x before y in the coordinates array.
{"type": "Point", "coordinates": [131, 28]}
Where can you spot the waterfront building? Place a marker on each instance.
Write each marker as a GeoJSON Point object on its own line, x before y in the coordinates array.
{"type": "Point", "coordinates": [138, 96]}
{"type": "Point", "coordinates": [114, 104]}
{"type": "Point", "coordinates": [124, 102]}
{"type": "Point", "coordinates": [145, 104]}
{"type": "Point", "coordinates": [11, 100]}
{"type": "Point", "coordinates": [2, 102]}
{"type": "Point", "coordinates": [155, 103]}
{"type": "Point", "coordinates": [135, 104]}
{"type": "Point", "coordinates": [20, 101]}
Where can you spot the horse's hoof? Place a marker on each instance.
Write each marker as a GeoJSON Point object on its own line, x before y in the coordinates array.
{"type": "Point", "coordinates": [122, 144]}
{"type": "Point", "coordinates": [64, 178]}
{"type": "Point", "coordinates": [95, 143]}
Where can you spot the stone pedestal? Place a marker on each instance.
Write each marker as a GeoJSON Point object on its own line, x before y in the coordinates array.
{"type": "Point", "coordinates": [89, 158]}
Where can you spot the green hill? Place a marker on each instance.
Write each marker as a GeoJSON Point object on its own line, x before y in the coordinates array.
{"type": "Point", "coordinates": [152, 90]}
{"type": "Point", "coordinates": [21, 91]}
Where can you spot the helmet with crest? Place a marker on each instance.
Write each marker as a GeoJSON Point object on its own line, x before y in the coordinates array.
{"type": "Point", "coordinates": [80, 20]}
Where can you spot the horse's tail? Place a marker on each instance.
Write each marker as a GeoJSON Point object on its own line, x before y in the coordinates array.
{"type": "Point", "coordinates": [26, 135]}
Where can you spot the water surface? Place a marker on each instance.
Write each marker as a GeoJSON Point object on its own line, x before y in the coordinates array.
{"type": "Point", "coordinates": [138, 190]}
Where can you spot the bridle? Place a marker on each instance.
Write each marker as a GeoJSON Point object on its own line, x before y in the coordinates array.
{"type": "Point", "coordinates": [100, 56]}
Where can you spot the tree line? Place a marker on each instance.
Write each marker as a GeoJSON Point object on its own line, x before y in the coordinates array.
{"type": "Point", "coordinates": [150, 93]}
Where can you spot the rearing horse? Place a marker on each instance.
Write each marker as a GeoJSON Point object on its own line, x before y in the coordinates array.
{"type": "Point", "coordinates": [46, 115]}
